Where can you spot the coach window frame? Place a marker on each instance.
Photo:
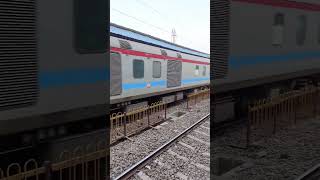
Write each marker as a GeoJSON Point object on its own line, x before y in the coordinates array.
{"type": "Point", "coordinates": [301, 31]}
{"type": "Point", "coordinates": [204, 72]}
{"type": "Point", "coordinates": [86, 37]}
{"type": "Point", "coordinates": [115, 56]}
{"type": "Point", "coordinates": [153, 69]}
{"type": "Point", "coordinates": [279, 22]}
{"type": "Point", "coordinates": [196, 70]}
{"type": "Point", "coordinates": [134, 71]}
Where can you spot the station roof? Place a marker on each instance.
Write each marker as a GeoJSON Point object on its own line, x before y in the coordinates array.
{"type": "Point", "coordinates": [133, 35]}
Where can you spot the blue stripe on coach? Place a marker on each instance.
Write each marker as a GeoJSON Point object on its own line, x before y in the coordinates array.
{"type": "Point", "coordinates": [195, 80]}
{"type": "Point", "coordinates": [88, 76]}
{"type": "Point", "coordinates": [238, 61]}
{"type": "Point", "coordinates": [128, 86]}
{"type": "Point", "coordinates": [162, 83]}
{"type": "Point", "coordinates": [72, 77]}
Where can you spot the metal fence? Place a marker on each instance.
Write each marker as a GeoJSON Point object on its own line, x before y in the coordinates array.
{"type": "Point", "coordinates": [75, 166]}
{"type": "Point", "coordinates": [194, 98]}
{"type": "Point", "coordinates": [126, 124]}
{"type": "Point", "coordinates": [267, 116]}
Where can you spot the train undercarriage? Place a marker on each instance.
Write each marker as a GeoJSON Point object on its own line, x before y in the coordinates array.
{"type": "Point", "coordinates": [169, 98]}
{"type": "Point", "coordinates": [233, 104]}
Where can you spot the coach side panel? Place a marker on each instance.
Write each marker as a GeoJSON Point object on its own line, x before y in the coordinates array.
{"type": "Point", "coordinates": [66, 79]}
{"type": "Point", "coordinates": [252, 53]}
{"type": "Point", "coordinates": [132, 87]}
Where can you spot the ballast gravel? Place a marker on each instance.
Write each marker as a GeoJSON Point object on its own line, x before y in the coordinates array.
{"type": "Point", "coordinates": [181, 161]}
{"type": "Point", "coordinates": [283, 156]}
{"type": "Point", "coordinates": [129, 152]}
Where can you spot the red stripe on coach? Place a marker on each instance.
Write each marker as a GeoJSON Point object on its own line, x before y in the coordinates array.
{"type": "Point", "coordinates": [156, 56]}
{"type": "Point", "coordinates": [285, 4]}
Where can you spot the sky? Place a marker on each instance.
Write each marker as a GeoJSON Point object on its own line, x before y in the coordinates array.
{"type": "Point", "coordinates": [190, 19]}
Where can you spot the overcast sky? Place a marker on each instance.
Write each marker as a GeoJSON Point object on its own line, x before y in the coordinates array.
{"type": "Point", "coordinates": [190, 18]}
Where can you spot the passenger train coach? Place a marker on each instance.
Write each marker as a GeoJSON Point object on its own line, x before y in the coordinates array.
{"type": "Point", "coordinates": [144, 67]}
{"type": "Point", "coordinates": [53, 74]}
{"type": "Point", "coordinates": [271, 46]}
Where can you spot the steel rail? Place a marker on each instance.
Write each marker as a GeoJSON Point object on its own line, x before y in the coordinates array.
{"type": "Point", "coordinates": [311, 174]}
{"type": "Point", "coordinates": [133, 169]}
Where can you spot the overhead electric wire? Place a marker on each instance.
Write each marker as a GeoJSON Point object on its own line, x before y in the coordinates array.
{"type": "Point", "coordinates": [189, 41]}
{"type": "Point", "coordinates": [144, 22]}
{"type": "Point", "coordinates": [148, 6]}
{"type": "Point", "coordinates": [163, 16]}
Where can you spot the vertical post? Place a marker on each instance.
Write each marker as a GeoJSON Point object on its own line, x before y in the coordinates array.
{"type": "Point", "coordinates": [103, 169]}
{"type": "Point", "coordinates": [295, 109]}
{"type": "Point", "coordinates": [105, 164]}
{"type": "Point", "coordinates": [275, 118]}
{"type": "Point", "coordinates": [314, 99]}
{"type": "Point", "coordinates": [248, 128]}
{"type": "Point", "coordinates": [48, 170]}
{"type": "Point", "coordinates": [290, 109]}
{"type": "Point", "coordinates": [271, 112]}
{"type": "Point", "coordinates": [187, 102]}
{"type": "Point", "coordinates": [125, 124]}
{"type": "Point", "coordinates": [1, 174]}
{"type": "Point", "coordinates": [148, 116]}
{"type": "Point", "coordinates": [165, 111]}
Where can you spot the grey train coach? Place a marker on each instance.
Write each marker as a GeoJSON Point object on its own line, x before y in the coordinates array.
{"type": "Point", "coordinates": [53, 68]}
{"type": "Point", "coordinates": [271, 46]}
{"type": "Point", "coordinates": [144, 67]}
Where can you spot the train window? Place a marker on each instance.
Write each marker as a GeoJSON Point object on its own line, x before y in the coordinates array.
{"type": "Point", "coordinates": [278, 25]}
{"type": "Point", "coordinates": [90, 28]}
{"type": "Point", "coordinates": [278, 19]}
{"type": "Point", "coordinates": [204, 72]}
{"type": "Point", "coordinates": [197, 70]}
{"type": "Point", "coordinates": [156, 69]}
{"type": "Point", "coordinates": [138, 69]}
{"type": "Point", "coordinates": [301, 29]}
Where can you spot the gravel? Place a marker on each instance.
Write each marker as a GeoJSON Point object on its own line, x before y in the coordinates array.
{"type": "Point", "coordinates": [285, 155]}
{"type": "Point", "coordinates": [127, 153]}
{"type": "Point", "coordinates": [184, 160]}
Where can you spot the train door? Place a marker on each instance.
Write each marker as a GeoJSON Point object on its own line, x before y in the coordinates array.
{"type": "Point", "coordinates": [115, 73]}
{"type": "Point", "coordinates": [174, 69]}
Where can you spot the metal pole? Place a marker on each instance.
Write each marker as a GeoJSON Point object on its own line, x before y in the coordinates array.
{"type": "Point", "coordinates": [314, 99]}
{"type": "Point", "coordinates": [275, 119]}
{"type": "Point", "coordinates": [187, 102]}
{"type": "Point", "coordinates": [248, 129]}
{"type": "Point", "coordinates": [125, 124]}
{"type": "Point", "coordinates": [1, 174]}
{"type": "Point", "coordinates": [148, 116]}
{"type": "Point", "coordinates": [48, 170]}
{"type": "Point", "coordinates": [165, 111]}
{"type": "Point", "coordinates": [295, 109]}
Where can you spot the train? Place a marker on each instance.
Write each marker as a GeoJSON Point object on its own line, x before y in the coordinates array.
{"type": "Point", "coordinates": [53, 72]}
{"type": "Point", "coordinates": [145, 68]}
{"type": "Point", "coordinates": [267, 48]}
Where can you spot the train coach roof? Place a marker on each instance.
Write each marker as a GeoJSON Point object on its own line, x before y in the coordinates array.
{"type": "Point", "coordinates": [130, 34]}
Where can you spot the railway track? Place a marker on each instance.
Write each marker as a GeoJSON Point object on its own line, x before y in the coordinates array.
{"type": "Point", "coordinates": [137, 170]}
{"type": "Point", "coordinates": [311, 174]}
